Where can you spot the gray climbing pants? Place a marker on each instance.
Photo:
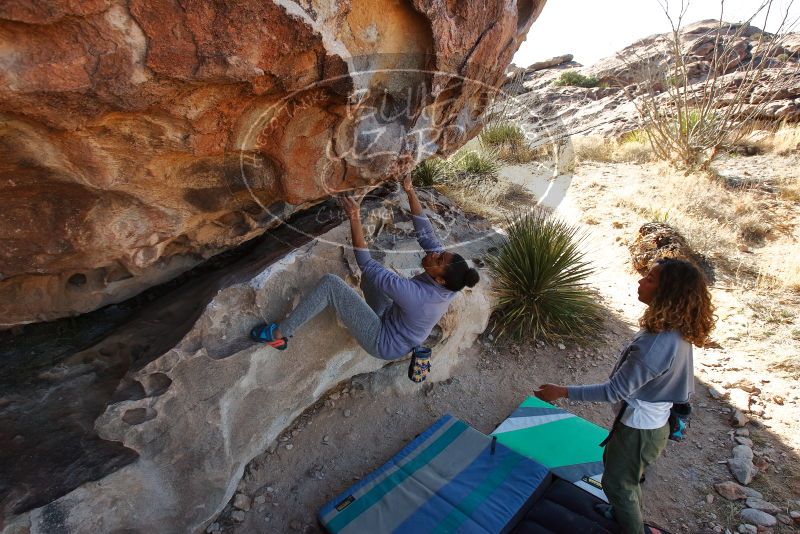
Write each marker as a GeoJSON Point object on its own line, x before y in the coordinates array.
{"type": "Point", "coordinates": [362, 319]}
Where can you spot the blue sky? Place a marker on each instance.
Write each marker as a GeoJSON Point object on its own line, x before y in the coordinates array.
{"type": "Point", "coordinates": [593, 29]}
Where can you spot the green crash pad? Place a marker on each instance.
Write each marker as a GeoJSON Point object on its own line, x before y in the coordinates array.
{"type": "Point", "coordinates": [557, 439]}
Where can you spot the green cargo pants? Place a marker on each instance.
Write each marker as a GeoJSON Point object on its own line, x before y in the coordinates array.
{"type": "Point", "coordinates": [626, 455]}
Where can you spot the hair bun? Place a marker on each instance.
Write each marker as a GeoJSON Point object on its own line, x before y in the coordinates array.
{"type": "Point", "coordinates": [471, 278]}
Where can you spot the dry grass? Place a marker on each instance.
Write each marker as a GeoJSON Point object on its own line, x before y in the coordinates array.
{"type": "Point", "coordinates": [495, 201]}
{"type": "Point", "coordinates": [521, 153]}
{"type": "Point", "coordinates": [789, 189]}
{"type": "Point", "coordinates": [786, 140]}
{"type": "Point", "coordinates": [630, 149]}
{"type": "Point", "coordinates": [781, 139]}
{"type": "Point", "coordinates": [721, 224]}
{"type": "Point", "coordinates": [779, 274]}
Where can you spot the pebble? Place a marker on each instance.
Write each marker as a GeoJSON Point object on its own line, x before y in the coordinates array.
{"type": "Point", "coordinates": [717, 392]}
{"type": "Point", "coordinates": [326, 439]}
{"type": "Point", "coordinates": [348, 413]}
{"type": "Point", "coordinates": [238, 516]}
{"type": "Point", "coordinates": [242, 502]}
{"type": "Point", "coordinates": [270, 489]}
{"type": "Point", "coordinates": [760, 504]}
{"type": "Point", "coordinates": [742, 469]}
{"type": "Point", "coordinates": [744, 441]}
{"type": "Point", "coordinates": [561, 346]}
{"type": "Point", "coordinates": [709, 498]}
{"type": "Point", "coordinates": [739, 419]}
{"type": "Point", "coordinates": [750, 492]}
{"type": "Point", "coordinates": [742, 432]}
{"type": "Point", "coordinates": [747, 529]}
{"type": "Point", "coordinates": [289, 446]}
{"type": "Point", "coordinates": [213, 527]}
{"type": "Point", "coordinates": [334, 396]}
{"type": "Point", "coordinates": [730, 490]}
{"type": "Point", "coordinates": [742, 451]}
{"type": "Point", "coordinates": [261, 499]}
{"type": "Point", "coordinates": [758, 518]}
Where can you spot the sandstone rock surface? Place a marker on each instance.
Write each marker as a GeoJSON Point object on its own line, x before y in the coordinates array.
{"type": "Point", "coordinates": [139, 138]}
{"type": "Point", "coordinates": [197, 413]}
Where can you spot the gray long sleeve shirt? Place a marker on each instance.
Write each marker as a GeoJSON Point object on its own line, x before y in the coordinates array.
{"type": "Point", "coordinates": [655, 367]}
{"type": "Point", "coordinates": [418, 302]}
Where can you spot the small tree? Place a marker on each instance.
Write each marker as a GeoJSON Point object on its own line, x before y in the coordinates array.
{"type": "Point", "coordinates": [690, 117]}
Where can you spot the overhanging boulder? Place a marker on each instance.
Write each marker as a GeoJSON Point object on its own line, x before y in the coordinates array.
{"type": "Point", "coordinates": [198, 413]}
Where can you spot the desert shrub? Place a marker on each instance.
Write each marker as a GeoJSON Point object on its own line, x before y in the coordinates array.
{"type": "Point", "coordinates": [504, 133]}
{"type": "Point", "coordinates": [633, 152]}
{"type": "Point", "coordinates": [630, 149]}
{"type": "Point", "coordinates": [479, 163]}
{"type": "Point", "coordinates": [681, 113]}
{"type": "Point", "coordinates": [510, 144]}
{"type": "Point", "coordinates": [594, 148]}
{"type": "Point", "coordinates": [752, 228]}
{"type": "Point", "coordinates": [540, 281]}
{"type": "Point", "coordinates": [430, 171]}
{"type": "Point", "coordinates": [576, 79]}
{"type": "Point", "coordinates": [634, 136]}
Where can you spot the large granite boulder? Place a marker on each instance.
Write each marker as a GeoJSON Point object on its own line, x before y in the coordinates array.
{"type": "Point", "coordinates": [186, 417]}
{"type": "Point", "coordinates": [139, 138]}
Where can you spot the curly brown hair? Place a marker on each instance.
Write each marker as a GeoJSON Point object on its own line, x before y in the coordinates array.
{"type": "Point", "coordinates": [682, 302]}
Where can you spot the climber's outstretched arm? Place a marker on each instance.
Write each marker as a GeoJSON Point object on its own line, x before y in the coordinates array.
{"type": "Point", "coordinates": [425, 235]}
{"type": "Point", "coordinates": [352, 208]}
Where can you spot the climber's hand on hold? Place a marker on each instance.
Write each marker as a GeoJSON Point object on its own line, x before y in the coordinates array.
{"type": "Point", "coordinates": [351, 205]}
{"type": "Point", "coordinates": [408, 183]}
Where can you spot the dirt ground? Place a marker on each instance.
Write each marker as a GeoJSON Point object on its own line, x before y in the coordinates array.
{"type": "Point", "coordinates": [353, 430]}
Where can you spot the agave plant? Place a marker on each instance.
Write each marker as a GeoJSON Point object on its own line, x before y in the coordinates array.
{"type": "Point", "coordinates": [540, 281]}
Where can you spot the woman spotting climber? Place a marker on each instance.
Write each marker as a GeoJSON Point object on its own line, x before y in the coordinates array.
{"type": "Point", "coordinates": [654, 371]}
{"type": "Point", "coordinates": [399, 312]}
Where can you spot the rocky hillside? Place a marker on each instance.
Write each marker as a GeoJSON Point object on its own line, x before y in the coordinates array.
{"type": "Point", "coordinates": [606, 108]}
{"type": "Point", "coordinates": [139, 138]}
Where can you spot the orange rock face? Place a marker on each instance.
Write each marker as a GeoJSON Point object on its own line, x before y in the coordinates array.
{"type": "Point", "coordinates": [138, 138]}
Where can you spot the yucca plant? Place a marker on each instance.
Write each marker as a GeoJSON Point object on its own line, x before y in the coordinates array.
{"type": "Point", "coordinates": [478, 163]}
{"type": "Point", "coordinates": [502, 134]}
{"type": "Point", "coordinates": [430, 172]}
{"type": "Point", "coordinates": [540, 281]}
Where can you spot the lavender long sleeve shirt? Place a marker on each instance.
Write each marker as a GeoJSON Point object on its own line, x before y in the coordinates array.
{"type": "Point", "coordinates": [418, 302]}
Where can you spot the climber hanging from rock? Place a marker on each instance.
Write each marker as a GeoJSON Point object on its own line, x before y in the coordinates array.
{"type": "Point", "coordinates": [399, 313]}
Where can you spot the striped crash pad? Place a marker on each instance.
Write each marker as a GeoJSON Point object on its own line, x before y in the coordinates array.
{"type": "Point", "coordinates": [451, 478]}
{"type": "Point", "coordinates": [561, 441]}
